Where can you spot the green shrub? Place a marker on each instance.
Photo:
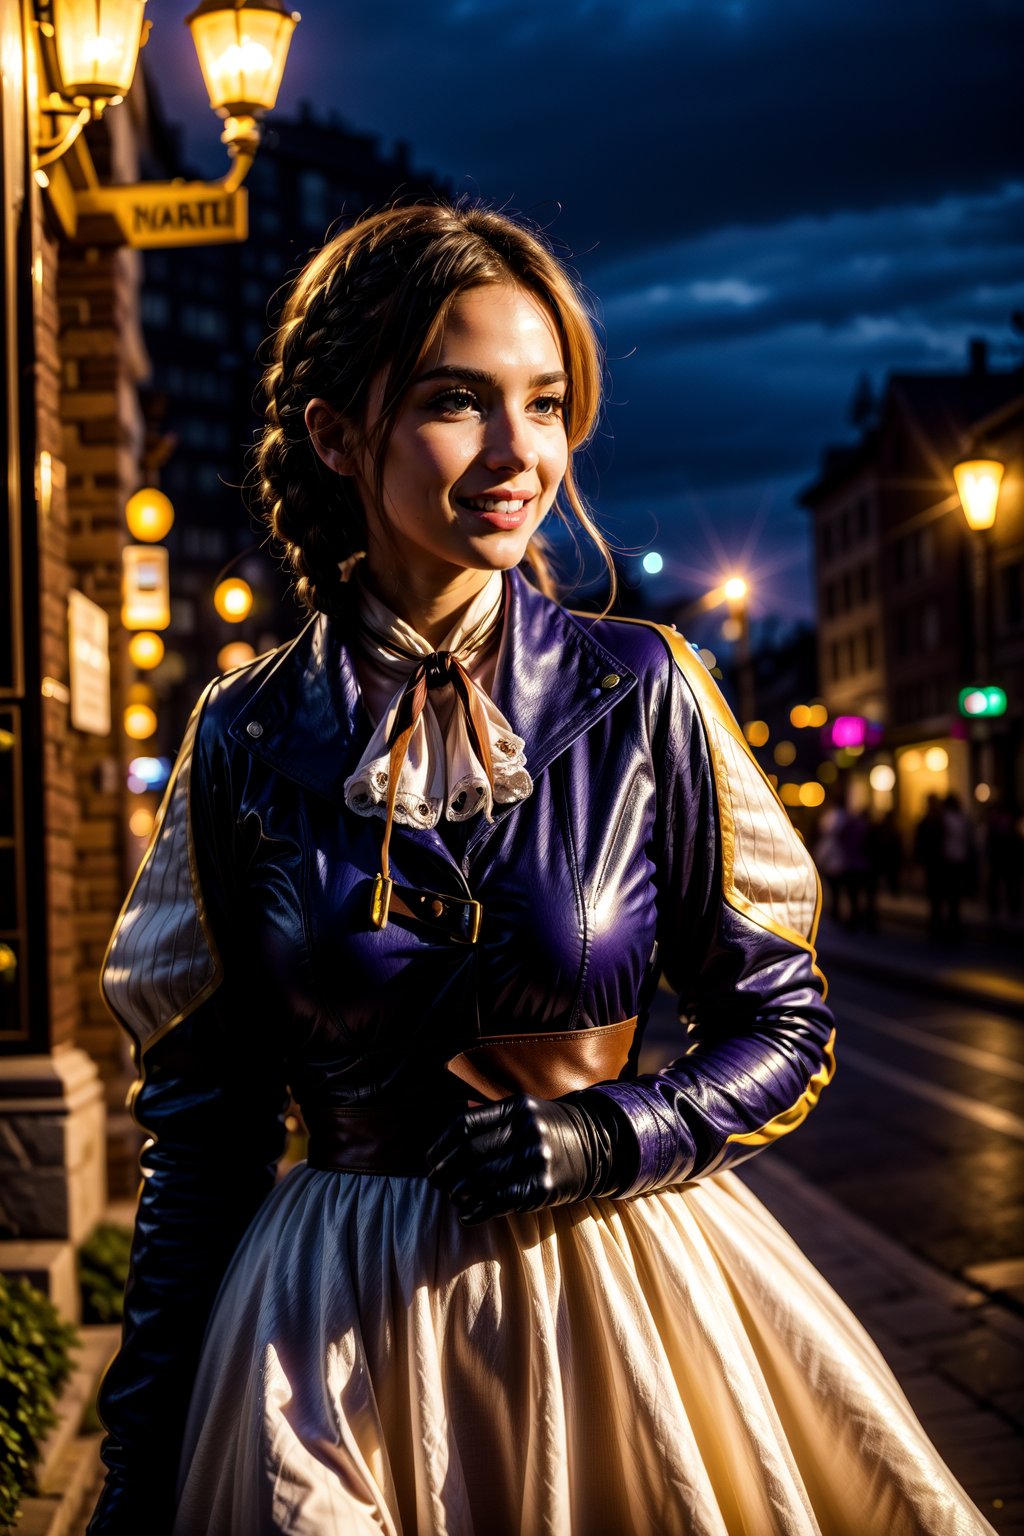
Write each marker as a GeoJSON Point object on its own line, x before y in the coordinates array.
{"type": "Point", "coordinates": [35, 1362]}
{"type": "Point", "coordinates": [102, 1272]}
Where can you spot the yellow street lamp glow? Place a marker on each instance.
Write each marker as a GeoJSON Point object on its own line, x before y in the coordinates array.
{"type": "Point", "coordinates": [149, 515]}
{"type": "Point", "coordinates": [799, 717]}
{"type": "Point", "coordinates": [789, 794]}
{"type": "Point", "coordinates": [140, 822]}
{"type": "Point", "coordinates": [977, 484]}
{"type": "Point", "coordinates": [97, 44]}
{"type": "Point", "coordinates": [735, 589]}
{"type": "Point", "coordinates": [139, 722]}
{"type": "Point", "coordinates": [235, 654]}
{"type": "Point", "coordinates": [812, 794]}
{"type": "Point", "coordinates": [145, 650]}
{"type": "Point", "coordinates": [817, 715]}
{"type": "Point", "coordinates": [233, 599]}
{"type": "Point", "coordinates": [242, 47]}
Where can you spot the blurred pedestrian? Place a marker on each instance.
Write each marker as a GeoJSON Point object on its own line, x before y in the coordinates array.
{"type": "Point", "coordinates": [858, 876]}
{"type": "Point", "coordinates": [928, 836]}
{"type": "Point", "coordinates": [830, 855]}
{"type": "Point", "coordinates": [886, 852]}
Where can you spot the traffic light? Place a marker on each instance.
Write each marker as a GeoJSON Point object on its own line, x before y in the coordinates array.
{"type": "Point", "coordinates": [981, 702]}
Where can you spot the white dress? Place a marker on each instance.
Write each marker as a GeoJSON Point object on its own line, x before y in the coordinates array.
{"type": "Point", "coordinates": [669, 1365]}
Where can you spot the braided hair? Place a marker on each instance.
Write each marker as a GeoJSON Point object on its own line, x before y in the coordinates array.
{"type": "Point", "coordinates": [373, 299]}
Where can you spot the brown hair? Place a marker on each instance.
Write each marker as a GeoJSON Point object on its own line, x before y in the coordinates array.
{"type": "Point", "coordinates": [373, 298]}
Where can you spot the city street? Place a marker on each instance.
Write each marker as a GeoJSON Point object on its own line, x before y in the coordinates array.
{"type": "Point", "coordinates": [905, 1187]}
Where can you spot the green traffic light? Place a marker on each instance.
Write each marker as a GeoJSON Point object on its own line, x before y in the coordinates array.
{"type": "Point", "coordinates": [982, 702]}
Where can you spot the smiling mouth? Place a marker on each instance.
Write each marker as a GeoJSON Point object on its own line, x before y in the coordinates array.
{"type": "Point", "coordinates": [504, 506]}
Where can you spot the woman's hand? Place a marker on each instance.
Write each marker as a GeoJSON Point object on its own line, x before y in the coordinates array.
{"type": "Point", "coordinates": [522, 1154]}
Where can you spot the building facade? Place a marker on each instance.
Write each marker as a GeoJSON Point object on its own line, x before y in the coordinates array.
{"type": "Point", "coordinates": [912, 604]}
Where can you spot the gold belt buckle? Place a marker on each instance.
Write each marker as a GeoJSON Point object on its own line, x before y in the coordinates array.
{"type": "Point", "coordinates": [429, 907]}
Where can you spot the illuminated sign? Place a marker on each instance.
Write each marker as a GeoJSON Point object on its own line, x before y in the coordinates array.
{"type": "Point", "coordinates": [980, 703]}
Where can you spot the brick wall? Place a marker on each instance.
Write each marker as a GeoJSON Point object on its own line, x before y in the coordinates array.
{"type": "Point", "coordinates": [60, 812]}
{"type": "Point", "coordinates": [102, 360]}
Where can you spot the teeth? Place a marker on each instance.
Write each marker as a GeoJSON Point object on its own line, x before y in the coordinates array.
{"type": "Point", "coordinates": [488, 504]}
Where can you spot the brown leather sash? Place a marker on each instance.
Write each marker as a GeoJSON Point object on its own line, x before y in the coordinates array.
{"type": "Point", "coordinates": [546, 1065]}
{"type": "Point", "coordinates": [394, 1138]}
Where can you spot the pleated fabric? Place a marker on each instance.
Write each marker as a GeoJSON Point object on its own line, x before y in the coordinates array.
{"type": "Point", "coordinates": [667, 1364]}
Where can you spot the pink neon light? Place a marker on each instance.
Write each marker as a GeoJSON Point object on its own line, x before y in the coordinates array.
{"type": "Point", "coordinates": [849, 731]}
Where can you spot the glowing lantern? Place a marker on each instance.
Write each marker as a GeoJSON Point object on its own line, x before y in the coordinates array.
{"type": "Point", "coordinates": [242, 48]}
{"type": "Point", "coordinates": [97, 45]}
{"type": "Point", "coordinates": [140, 722]}
{"type": "Point", "coordinates": [146, 650]}
{"type": "Point", "coordinates": [233, 599]}
{"type": "Point", "coordinates": [977, 484]}
{"type": "Point", "coordinates": [149, 515]}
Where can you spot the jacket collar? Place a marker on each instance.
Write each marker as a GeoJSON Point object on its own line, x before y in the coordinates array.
{"type": "Point", "coordinates": [552, 681]}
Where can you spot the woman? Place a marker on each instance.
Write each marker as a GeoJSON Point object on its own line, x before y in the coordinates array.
{"type": "Point", "coordinates": [425, 866]}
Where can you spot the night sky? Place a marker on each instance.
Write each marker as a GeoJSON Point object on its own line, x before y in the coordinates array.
{"type": "Point", "coordinates": [769, 198]}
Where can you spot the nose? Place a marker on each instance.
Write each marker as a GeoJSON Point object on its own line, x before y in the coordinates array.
{"type": "Point", "coordinates": [509, 444]}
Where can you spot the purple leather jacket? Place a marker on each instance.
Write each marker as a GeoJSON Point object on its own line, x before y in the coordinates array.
{"type": "Point", "coordinates": [244, 963]}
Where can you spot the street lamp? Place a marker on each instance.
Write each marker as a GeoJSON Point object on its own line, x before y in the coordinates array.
{"type": "Point", "coordinates": [977, 484]}
{"type": "Point", "coordinates": [89, 51]}
{"type": "Point", "coordinates": [735, 590]}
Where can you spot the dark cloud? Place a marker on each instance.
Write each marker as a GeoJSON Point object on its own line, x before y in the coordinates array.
{"type": "Point", "coordinates": [769, 197]}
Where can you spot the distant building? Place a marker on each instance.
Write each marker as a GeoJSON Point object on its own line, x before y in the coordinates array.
{"type": "Point", "coordinates": [899, 634]}
{"type": "Point", "coordinates": [204, 320]}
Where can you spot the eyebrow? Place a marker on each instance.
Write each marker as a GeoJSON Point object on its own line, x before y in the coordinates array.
{"type": "Point", "coordinates": [480, 376]}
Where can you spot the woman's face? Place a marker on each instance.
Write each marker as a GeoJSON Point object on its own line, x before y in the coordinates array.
{"type": "Point", "coordinates": [479, 445]}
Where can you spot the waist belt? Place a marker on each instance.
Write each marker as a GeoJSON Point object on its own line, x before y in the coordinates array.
{"type": "Point", "coordinates": [394, 1138]}
{"type": "Point", "coordinates": [377, 1138]}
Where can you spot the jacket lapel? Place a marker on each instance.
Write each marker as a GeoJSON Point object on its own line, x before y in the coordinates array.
{"type": "Point", "coordinates": [553, 680]}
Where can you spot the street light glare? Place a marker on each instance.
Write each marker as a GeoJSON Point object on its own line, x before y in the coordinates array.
{"type": "Point", "coordinates": [977, 484]}
{"type": "Point", "coordinates": [735, 589]}
{"type": "Point", "coordinates": [652, 562]}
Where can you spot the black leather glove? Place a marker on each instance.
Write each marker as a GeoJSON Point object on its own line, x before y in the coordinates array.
{"type": "Point", "coordinates": [523, 1154]}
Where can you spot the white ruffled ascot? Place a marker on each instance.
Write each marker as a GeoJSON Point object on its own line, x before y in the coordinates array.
{"type": "Point", "coordinates": [441, 769]}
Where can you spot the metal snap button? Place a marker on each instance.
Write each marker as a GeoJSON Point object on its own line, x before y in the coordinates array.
{"type": "Point", "coordinates": [254, 728]}
{"type": "Point", "coordinates": [611, 681]}
{"type": "Point", "coordinates": [437, 908]}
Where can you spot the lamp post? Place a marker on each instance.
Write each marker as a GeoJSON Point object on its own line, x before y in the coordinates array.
{"type": "Point", "coordinates": [977, 484]}
{"type": "Point", "coordinates": [88, 53]}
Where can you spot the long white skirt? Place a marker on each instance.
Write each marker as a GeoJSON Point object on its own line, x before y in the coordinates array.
{"type": "Point", "coordinates": [668, 1364]}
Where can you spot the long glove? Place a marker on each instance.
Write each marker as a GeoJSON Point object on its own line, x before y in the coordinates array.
{"type": "Point", "coordinates": [524, 1153]}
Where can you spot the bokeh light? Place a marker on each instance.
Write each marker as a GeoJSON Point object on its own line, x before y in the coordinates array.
{"type": "Point", "coordinates": [784, 753]}
{"type": "Point", "coordinates": [652, 562]}
{"type": "Point", "coordinates": [140, 822]}
{"type": "Point", "coordinates": [145, 650]}
{"type": "Point", "coordinates": [756, 732]}
{"type": "Point", "coordinates": [233, 599]}
{"type": "Point", "coordinates": [149, 515]}
{"type": "Point", "coordinates": [882, 777]}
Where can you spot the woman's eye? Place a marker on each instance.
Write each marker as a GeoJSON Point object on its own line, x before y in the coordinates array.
{"type": "Point", "coordinates": [455, 400]}
{"type": "Point", "coordinates": [549, 405]}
